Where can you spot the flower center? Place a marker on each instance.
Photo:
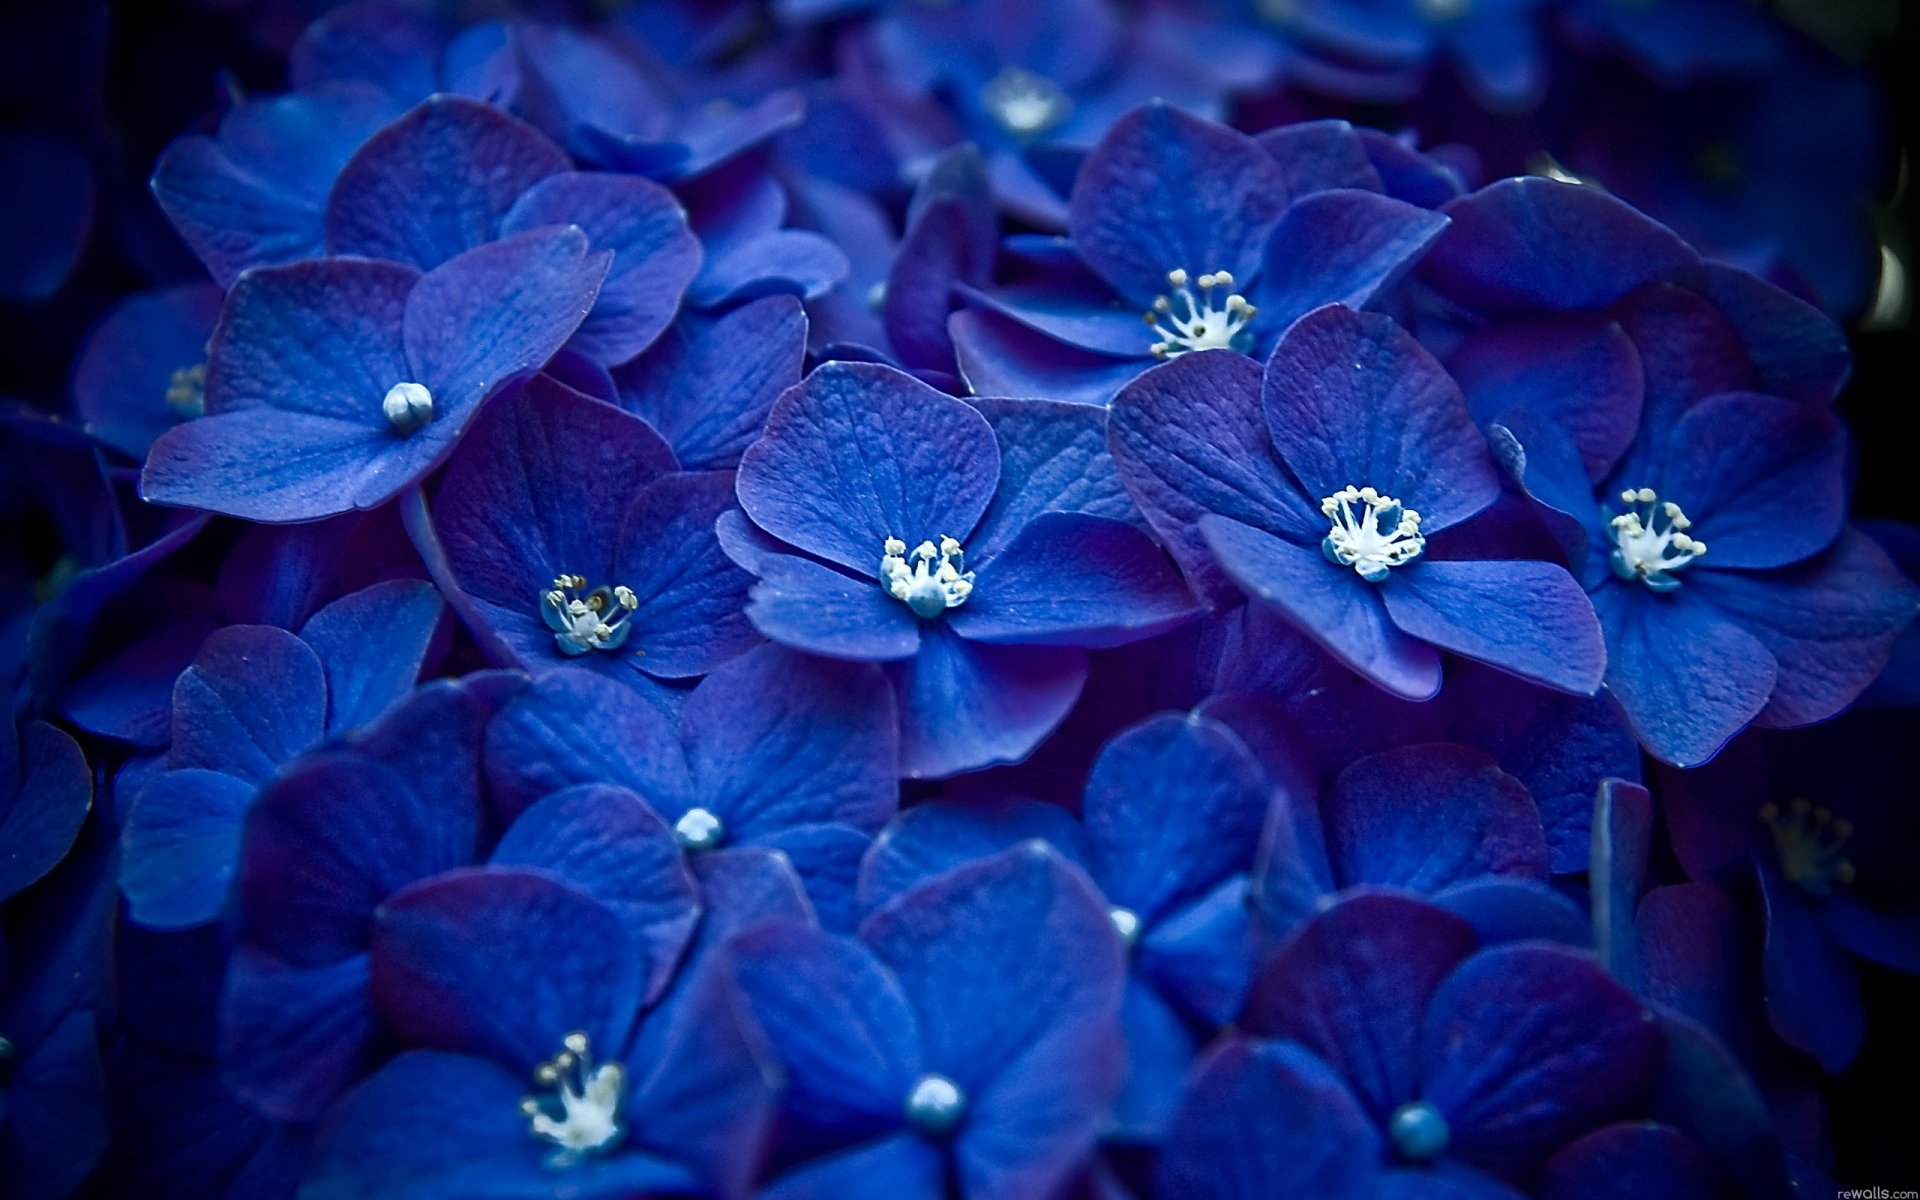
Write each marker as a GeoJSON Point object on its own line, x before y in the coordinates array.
{"type": "Point", "coordinates": [1808, 841]}
{"type": "Point", "coordinates": [1441, 12]}
{"type": "Point", "coordinates": [935, 1105]}
{"type": "Point", "coordinates": [1651, 544]}
{"type": "Point", "coordinates": [1418, 1131]}
{"type": "Point", "coordinates": [1126, 923]}
{"type": "Point", "coordinates": [408, 406]}
{"type": "Point", "coordinates": [582, 1115]}
{"type": "Point", "coordinates": [932, 581]}
{"type": "Point", "coordinates": [1025, 104]}
{"type": "Point", "coordinates": [584, 620]}
{"type": "Point", "coordinates": [698, 830]}
{"type": "Point", "coordinates": [1371, 533]}
{"type": "Point", "coordinates": [1215, 318]}
{"type": "Point", "coordinates": [187, 390]}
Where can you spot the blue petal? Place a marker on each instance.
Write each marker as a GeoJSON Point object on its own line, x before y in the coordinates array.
{"type": "Point", "coordinates": [1166, 190]}
{"type": "Point", "coordinates": [1072, 579]}
{"type": "Point", "coordinates": [1200, 957]}
{"type": "Point", "coordinates": [503, 962]}
{"type": "Point", "coordinates": [903, 1167]}
{"type": "Point", "coordinates": [861, 453]}
{"type": "Point", "coordinates": [1620, 874]}
{"type": "Point", "coordinates": [294, 1037]}
{"type": "Point", "coordinates": [931, 839]}
{"type": "Point", "coordinates": [1636, 1161]}
{"type": "Point", "coordinates": [1762, 477]}
{"type": "Point", "coordinates": [776, 740]}
{"type": "Point", "coordinates": [691, 596]}
{"type": "Point", "coordinates": [254, 698]}
{"type": "Point", "coordinates": [1812, 991]}
{"type": "Point", "coordinates": [1268, 1119]}
{"type": "Point", "coordinates": [999, 356]}
{"type": "Point", "coordinates": [1527, 618]}
{"type": "Point", "coordinates": [1352, 400]}
{"type": "Point", "coordinates": [181, 846]}
{"type": "Point", "coordinates": [1424, 817]}
{"type": "Point", "coordinates": [1797, 350]}
{"type": "Point", "coordinates": [372, 645]}
{"type": "Point", "coordinates": [436, 182]}
{"type": "Point", "coordinates": [1339, 247]}
{"type": "Point", "coordinates": [1160, 1052]}
{"type": "Point", "coordinates": [125, 372]}
{"type": "Point", "coordinates": [39, 820]}
{"type": "Point", "coordinates": [1053, 458]}
{"type": "Point", "coordinates": [535, 745]}
{"type": "Point", "coordinates": [56, 1114]}
{"type": "Point", "coordinates": [965, 705]}
{"type": "Point", "coordinates": [1576, 373]}
{"type": "Point", "coordinates": [827, 858]}
{"type": "Point", "coordinates": [1316, 156]}
{"type": "Point", "coordinates": [809, 606]}
{"type": "Point", "coordinates": [708, 389]}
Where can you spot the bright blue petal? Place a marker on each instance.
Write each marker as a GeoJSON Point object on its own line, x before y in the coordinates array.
{"type": "Point", "coordinates": [1527, 618]}
{"type": "Point", "coordinates": [965, 705]}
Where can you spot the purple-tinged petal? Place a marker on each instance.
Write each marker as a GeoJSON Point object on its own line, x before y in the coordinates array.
{"type": "Point", "coordinates": [1705, 1091]}
{"type": "Point", "coordinates": [777, 739]}
{"type": "Point", "coordinates": [1053, 458]}
{"type": "Point", "coordinates": [691, 596]}
{"type": "Point", "coordinates": [860, 453]}
{"type": "Point", "coordinates": [1353, 983]}
{"type": "Point", "coordinates": [1165, 190]}
{"type": "Point", "coordinates": [503, 962]}
{"type": "Point", "coordinates": [495, 314]}
{"type": "Point", "coordinates": [261, 465]}
{"type": "Point", "coordinates": [1688, 352]}
{"type": "Point", "coordinates": [950, 238]}
{"type": "Point", "coordinates": [129, 695]}
{"type": "Point", "coordinates": [1688, 677]}
{"type": "Point", "coordinates": [1637, 1161]}
{"type": "Point", "coordinates": [1265, 1119]}
{"type": "Point", "coordinates": [1761, 477]}
{"type": "Point", "coordinates": [1797, 350]}
{"type": "Point", "coordinates": [535, 745]}
{"type": "Point", "coordinates": [1504, 909]}
{"type": "Point", "coordinates": [1189, 439]}
{"type": "Point", "coordinates": [1352, 400]}
{"type": "Point", "coordinates": [705, 1084]}
{"type": "Point", "coordinates": [999, 356]}
{"type": "Point", "coordinates": [1526, 1045]}
{"type": "Point", "coordinates": [1527, 618]}
{"type": "Point", "coordinates": [1521, 245]}
{"type": "Point", "coordinates": [332, 838]}
{"type": "Point", "coordinates": [372, 645]}
{"type": "Point", "coordinates": [655, 255]}
{"type": "Point", "coordinates": [40, 819]}
{"type": "Point", "coordinates": [1829, 622]}
{"type": "Point", "coordinates": [1888, 937]}
{"type": "Point", "coordinates": [1173, 807]}
{"type": "Point", "coordinates": [254, 698]}
{"type": "Point", "coordinates": [180, 846]}
{"type": "Point", "coordinates": [56, 1111]}
{"type": "Point", "coordinates": [931, 839]}
{"type": "Point", "coordinates": [1035, 1049]}
{"type": "Point", "coordinates": [801, 603]}
{"type": "Point", "coordinates": [1200, 958]}
{"type": "Point", "coordinates": [1579, 374]}
{"type": "Point", "coordinates": [708, 391]}
{"type": "Point", "coordinates": [839, 1024]}
{"type": "Point", "coordinates": [1812, 991]}
{"type": "Point", "coordinates": [1423, 817]}
{"type": "Point", "coordinates": [1316, 156]}
{"type": "Point", "coordinates": [1160, 1050]}
{"type": "Point", "coordinates": [436, 182]}
{"type": "Point", "coordinates": [294, 1037]}
{"type": "Point", "coordinates": [1345, 247]}
{"type": "Point", "coordinates": [1072, 579]}
{"type": "Point", "coordinates": [966, 705]}
{"type": "Point", "coordinates": [780, 262]}
{"type": "Point", "coordinates": [1335, 607]}
{"type": "Point", "coordinates": [604, 841]}
{"type": "Point", "coordinates": [903, 1167]}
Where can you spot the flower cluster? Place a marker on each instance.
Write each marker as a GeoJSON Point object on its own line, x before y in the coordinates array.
{"type": "Point", "coordinates": [878, 600]}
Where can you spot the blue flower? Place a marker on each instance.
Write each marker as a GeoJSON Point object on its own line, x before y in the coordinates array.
{"type": "Point", "coordinates": [970, 1032]}
{"type": "Point", "coordinates": [773, 750]}
{"type": "Point", "coordinates": [907, 537]}
{"type": "Point", "coordinates": [1218, 240]}
{"type": "Point", "coordinates": [144, 368]}
{"type": "Point", "coordinates": [573, 540]}
{"type": "Point", "coordinates": [335, 384]}
{"type": "Point", "coordinates": [1170, 820]}
{"type": "Point", "coordinates": [1386, 1052]}
{"type": "Point", "coordinates": [253, 700]}
{"type": "Point", "coordinates": [1315, 488]}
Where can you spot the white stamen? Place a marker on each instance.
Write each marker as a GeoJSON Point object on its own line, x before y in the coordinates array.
{"type": "Point", "coordinates": [408, 406]}
{"type": "Point", "coordinates": [1441, 12]}
{"type": "Point", "coordinates": [1025, 105]}
{"type": "Point", "coordinates": [1126, 922]}
{"type": "Point", "coordinates": [1651, 544]}
{"type": "Point", "coordinates": [187, 390]}
{"type": "Point", "coordinates": [1384, 535]}
{"type": "Point", "coordinates": [589, 1103]}
{"type": "Point", "coordinates": [698, 830]}
{"type": "Point", "coordinates": [584, 620]}
{"type": "Point", "coordinates": [935, 1105]}
{"type": "Point", "coordinates": [926, 588]}
{"type": "Point", "coordinates": [1214, 319]}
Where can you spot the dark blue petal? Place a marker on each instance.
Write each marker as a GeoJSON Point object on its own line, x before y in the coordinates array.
{"type": "Point", "coordinates": [535, 745]}
{"type": "Point", "coordinates": [181, 846]}
{"type": "Point", "coordinates": [372, 645]}
{"type": "Point", "coordinates": [965, 705]}
{"type": "Point", "coordinates": [1637, 1161]}
{"type": "Point", "coordinates": [803, 604]}
{"type": "Point", "coordinates": [294, 1037]}
{"type": "Point", "coordinates": [708, 389]}
{"type": "Point", "coordinates": [1424, 817]}
{"type": "Point", "coordinates": [1812, 990]}
{"type": "Point", "coordinates": [1577, 373]}
{"type": "Point", "coordinates": [254, 698]}
{"type": "Point", "coordinates": [48, 790]}
{"type": "Point", "coordinates": [1053, 458]}
{"type": "Point", "coordinates": [1527, 618]}
{"type": "Point", "coordinates": [1073, 579]}
{"type": "Point", "coordinates": [903, 1167]}
{"type": "Point", "coordinates": [930, 839]}
{"type": "Point", "coordinates": [1339, 247]}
